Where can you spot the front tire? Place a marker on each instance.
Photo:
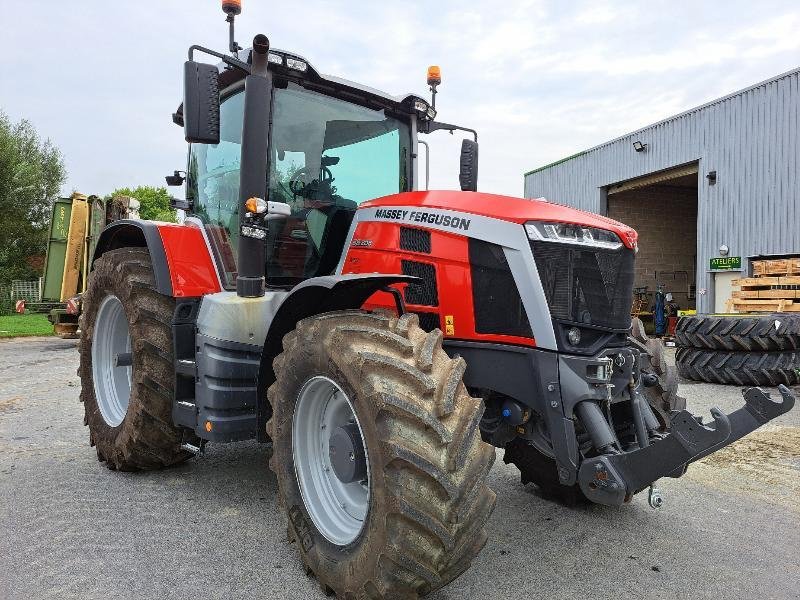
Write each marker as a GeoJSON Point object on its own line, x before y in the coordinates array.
{"type": "Point", "coordinates": [128, 408]}
{"type": "Point", "coordinates": [425, 501]}
{"type": "Point", "coordinates": [663, 396]}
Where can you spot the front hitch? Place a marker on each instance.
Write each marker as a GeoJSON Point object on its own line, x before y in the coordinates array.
{"type": "Point", "coordinates": [613, 478]}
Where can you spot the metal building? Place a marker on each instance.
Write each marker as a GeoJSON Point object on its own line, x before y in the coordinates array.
{"type": "Point", "coordinates": [723, 175]}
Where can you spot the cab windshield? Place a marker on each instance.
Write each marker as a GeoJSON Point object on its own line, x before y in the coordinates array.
{"type": "Point", "coordinates": [327, 156]}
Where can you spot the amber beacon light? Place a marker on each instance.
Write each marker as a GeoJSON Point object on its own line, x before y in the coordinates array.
{"type": "Point", "coordinates": [434, 75]}
{"type": "Point", "coordinates": [232, 7]}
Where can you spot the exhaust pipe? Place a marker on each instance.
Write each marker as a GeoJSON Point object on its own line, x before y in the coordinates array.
{"type": "Point", "coordinates": [251, 254]}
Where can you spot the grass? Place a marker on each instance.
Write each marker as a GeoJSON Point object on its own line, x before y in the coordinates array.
{"type": "Point", "coordinates": [23, 325]}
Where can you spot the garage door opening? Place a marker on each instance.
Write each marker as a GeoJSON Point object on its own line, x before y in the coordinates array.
{"type": "Point", "coordinates": [662, 208]}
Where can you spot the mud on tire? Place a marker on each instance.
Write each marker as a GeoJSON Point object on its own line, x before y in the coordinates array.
{"type": "Point", "coordinates": [146, 438]}
{"type": "Point", "coordinates": [427, 463]}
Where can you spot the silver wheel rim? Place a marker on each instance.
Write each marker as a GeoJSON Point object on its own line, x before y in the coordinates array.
{"type": "Point", "coordinates": [338, 509]}
{"type": "Point", "coordinates": [110, 339]}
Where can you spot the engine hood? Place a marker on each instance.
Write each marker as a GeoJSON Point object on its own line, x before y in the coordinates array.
{"type": "Point", "coordinates": [506, 208]}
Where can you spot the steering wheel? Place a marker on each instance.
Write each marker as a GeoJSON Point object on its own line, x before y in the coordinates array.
{"type": "Point", "coordinates": [304, 177]}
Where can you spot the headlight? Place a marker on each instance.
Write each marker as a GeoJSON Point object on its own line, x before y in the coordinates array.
{"type": "Point", "coordinates": [569, 233]}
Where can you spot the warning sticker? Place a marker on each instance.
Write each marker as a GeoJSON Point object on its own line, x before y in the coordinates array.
{"type": "Point", "coordinates": [449, 325]}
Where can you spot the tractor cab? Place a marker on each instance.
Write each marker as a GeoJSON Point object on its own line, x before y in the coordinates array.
{"type": "Point", "coordinates": [329, 145]}
{"type": "Point", "coordinates": [332, 146]}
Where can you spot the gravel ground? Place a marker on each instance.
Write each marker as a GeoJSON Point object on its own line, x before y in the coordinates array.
{"type": "Point", "coordinates": [69, 528]}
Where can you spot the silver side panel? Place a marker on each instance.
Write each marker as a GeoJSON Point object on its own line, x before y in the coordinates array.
{"type": "Point", "coordinates": [511, 236]}
{"type": "Point", "coordinates": [226, 316]}
{"type": "Point", "coordinates": [194, 221]}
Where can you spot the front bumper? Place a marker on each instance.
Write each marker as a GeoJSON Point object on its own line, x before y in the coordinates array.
{"type": "Point", "coordinates": [613, 478]}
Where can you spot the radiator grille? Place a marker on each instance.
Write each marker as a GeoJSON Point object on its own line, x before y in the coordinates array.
{"type": "Point", "coordinates": [591, 286]}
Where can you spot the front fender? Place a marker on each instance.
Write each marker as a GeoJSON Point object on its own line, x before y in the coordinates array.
{"type": "Point", "coordinates": [312, 297]}
{"type": "Point", "coordinates": [133, 233]}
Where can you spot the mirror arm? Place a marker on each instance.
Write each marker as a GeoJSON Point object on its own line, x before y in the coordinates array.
{"type": "Point", "coordinates": [432, 126]}
{"type": "Point", "coordinates": [427, 162]}
{"type": "Point", "coordinates": [228, 60]}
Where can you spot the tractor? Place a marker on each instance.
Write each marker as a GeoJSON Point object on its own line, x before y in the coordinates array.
{"type": "Point", "coordinates": [383, 338]}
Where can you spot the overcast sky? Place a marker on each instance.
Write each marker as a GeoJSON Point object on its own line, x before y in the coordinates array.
{"type": "Point", "coordinates": [539, 80]}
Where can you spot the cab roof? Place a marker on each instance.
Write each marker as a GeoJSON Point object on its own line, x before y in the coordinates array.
{"type": "Point", "coordinates": [358, 92]}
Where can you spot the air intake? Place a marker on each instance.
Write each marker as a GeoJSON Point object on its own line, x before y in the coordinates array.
{"type": "Point", "coordinates": [415, 240]}
{"type": "Point", "coordinates": [425, 293]}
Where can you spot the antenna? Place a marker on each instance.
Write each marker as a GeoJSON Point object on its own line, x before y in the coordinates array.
{"type": "Point", "coordinates": [232, 8]}
{"type": "Point", "coordinates": [434, 79]}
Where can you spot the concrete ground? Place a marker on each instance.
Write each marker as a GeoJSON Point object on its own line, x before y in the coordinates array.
{"type": "Point", "coordinates": [211, 528]}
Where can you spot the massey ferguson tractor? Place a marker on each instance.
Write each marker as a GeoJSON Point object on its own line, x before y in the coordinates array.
{"type": "Point", "coordinates": [384, 339]}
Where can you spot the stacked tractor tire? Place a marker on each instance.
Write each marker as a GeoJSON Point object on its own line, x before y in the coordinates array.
{"type": "Point", "coordinates": [747, 350]}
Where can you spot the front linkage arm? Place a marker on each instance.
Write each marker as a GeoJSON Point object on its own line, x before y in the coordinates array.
{"type": "Point", "coordinates": [613, 478]}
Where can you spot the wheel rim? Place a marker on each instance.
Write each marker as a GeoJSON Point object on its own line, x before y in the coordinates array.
{"type": "Point", "coordinates": [111, 344]}
{"type": "Point", "coordinates": [337, 507]}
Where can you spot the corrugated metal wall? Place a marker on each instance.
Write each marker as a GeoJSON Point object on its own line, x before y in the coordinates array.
{"type": "Point", "coordinates": [749, 138]}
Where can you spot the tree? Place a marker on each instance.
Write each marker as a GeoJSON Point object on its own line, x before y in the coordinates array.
{"type": "Point", "coordinates": [31, 174]}
{"type": "Point", "coordinates": [154, 202]}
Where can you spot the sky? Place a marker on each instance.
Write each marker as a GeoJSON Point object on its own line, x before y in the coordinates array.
{"type": "Point", "coordinates": [539, 80]}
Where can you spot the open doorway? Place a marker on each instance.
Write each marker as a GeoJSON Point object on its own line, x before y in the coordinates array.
{"type": "Point", "coordinates": [662, 208]}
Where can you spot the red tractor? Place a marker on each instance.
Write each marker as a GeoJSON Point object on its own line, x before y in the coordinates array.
{"type": "Point", "coordinates": [383, 339]}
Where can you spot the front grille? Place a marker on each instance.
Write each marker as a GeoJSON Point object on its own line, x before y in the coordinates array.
{"type": "Point", "coordinates": [586, 285]}
{"type": "Point", "coordinates": [425, 293]}
{"type": "Point", "coordinates": [415, 240]}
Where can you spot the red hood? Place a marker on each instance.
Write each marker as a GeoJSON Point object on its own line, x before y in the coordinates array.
{"type": "Point", "coordinates": [506, 208]}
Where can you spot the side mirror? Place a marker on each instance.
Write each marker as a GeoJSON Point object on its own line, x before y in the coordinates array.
{"type": "Point", "coordinates": [200, 103]}
{"type": "Point", "coordinates": [468, 176]}
{"type": "Point", "coordinates": [175, 179]}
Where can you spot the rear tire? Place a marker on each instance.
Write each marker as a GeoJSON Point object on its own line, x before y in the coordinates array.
{"type": "Point", "coordinates": [137, 434]}
{"type": "Point", "coordinates": [426, 468]}
{"type": "Point", "coordinates": [739, 368]}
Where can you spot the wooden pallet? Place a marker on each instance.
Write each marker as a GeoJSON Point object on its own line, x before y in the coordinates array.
{"type": "Point", "coordinates": [781, 266]}
{"type": "Point", "coordinates": [776, 305]}
{"type": "Point", "coordinates": [766, 294]}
